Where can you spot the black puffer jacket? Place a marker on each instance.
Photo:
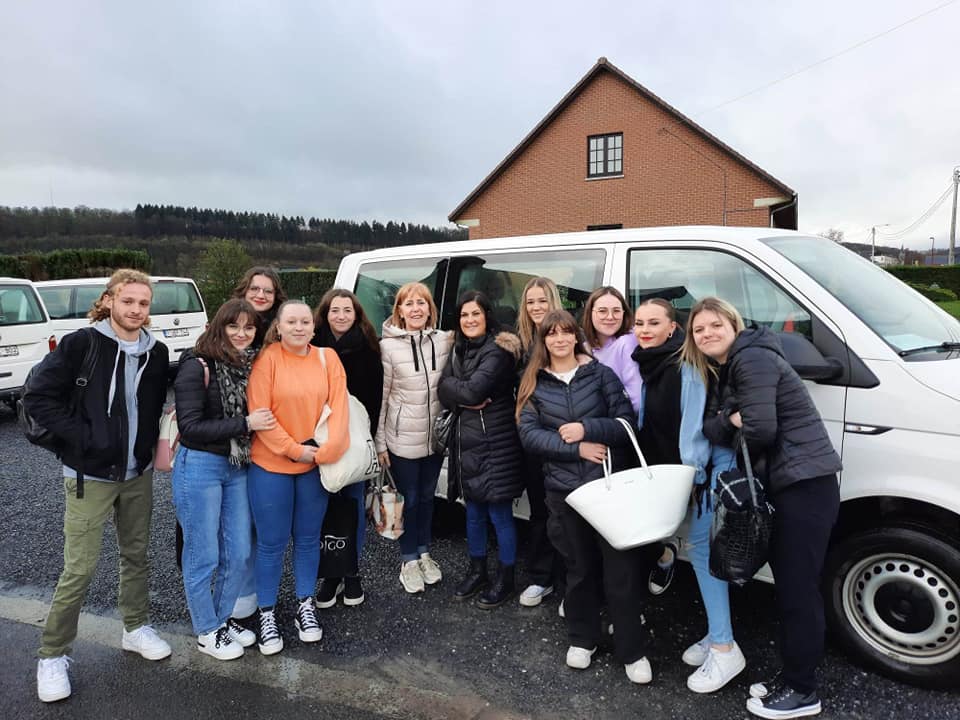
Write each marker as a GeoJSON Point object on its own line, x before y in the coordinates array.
{"type": "Point", "coordinates": [595, 397]}
{"type": "Point", "coordinates": [786, 438]}
{"type": "Point", "coordinates": [200, 409]}
{"type": "Point", "coordinates": [485, 459]}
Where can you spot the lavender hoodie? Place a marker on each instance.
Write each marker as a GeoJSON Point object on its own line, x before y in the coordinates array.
{"type": "Point", "coordinates": [616, 356]}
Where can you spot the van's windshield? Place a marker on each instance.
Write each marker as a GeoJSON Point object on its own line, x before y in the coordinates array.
{"type": "Point", "coordinates": [892, 309]}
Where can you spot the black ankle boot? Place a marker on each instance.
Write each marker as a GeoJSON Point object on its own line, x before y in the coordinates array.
{"type": "Point", "coordinates": [500, 591]}
{"type": "Point", "coordinates": [474, 581]}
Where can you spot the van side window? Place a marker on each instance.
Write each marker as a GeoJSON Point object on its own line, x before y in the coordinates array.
{"type": "Point", "coordinates": [57, 301]}
{"type": "Point", "coordinates": [684, 276]}
{"type": "Point", "coordinates": [502, 277]}
{"type": "Point", "coordinates": [378, 282]}
{"type": "Point", "coordinates": [18, 306]}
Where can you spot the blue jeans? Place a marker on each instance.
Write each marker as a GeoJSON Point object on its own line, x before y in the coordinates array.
{"type": "Point", "coordinates": [715, 594]}
{"type": "Point", "coordinates": [210, 496]}
{"type": "Point", "coordinates": [417, 481]}
{"type": "Point", "coordinates": [501, 514]}
{"type": "Point", "coordinates": [283, 505]}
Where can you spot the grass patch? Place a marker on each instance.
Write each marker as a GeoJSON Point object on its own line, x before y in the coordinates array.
{"type": "Point", "coordinates": [952, 307]}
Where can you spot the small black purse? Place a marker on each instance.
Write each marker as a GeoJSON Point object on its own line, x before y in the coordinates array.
{"type": "Point", "coordinates": [442, 428]}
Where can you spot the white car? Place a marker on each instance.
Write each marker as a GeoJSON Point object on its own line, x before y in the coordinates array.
{"type": "Point", "coordinates": [177, 313]}
{"type": "Point", "coordinates": [26, 335]}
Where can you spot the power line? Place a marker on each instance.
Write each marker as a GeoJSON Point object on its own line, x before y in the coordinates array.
{"type": "Point", "coordinates": [922, 219]}
{"type": "Point", "coordinates": [826, 59]}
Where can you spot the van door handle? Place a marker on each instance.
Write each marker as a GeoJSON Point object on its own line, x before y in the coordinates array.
{"type": "Point", "coordinates": [859, 429]}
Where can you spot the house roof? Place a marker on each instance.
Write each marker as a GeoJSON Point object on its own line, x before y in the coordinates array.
{"type": "Point", "coordinates": [604, 65]}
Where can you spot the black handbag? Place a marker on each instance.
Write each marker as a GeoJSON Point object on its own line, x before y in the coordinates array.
{"type": "Point", "coordinates": [443, 423]}
{"type": "Point", "coordinates": [338, 538]}
{"type": "Point", "coordinates": [742, 524]}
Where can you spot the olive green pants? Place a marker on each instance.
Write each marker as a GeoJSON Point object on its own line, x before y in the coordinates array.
{"type": "Point", "coordinates": [131, 504]}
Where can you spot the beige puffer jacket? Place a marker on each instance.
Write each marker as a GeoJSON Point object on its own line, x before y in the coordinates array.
{"type": "Point", "coordinates": [412, 364]}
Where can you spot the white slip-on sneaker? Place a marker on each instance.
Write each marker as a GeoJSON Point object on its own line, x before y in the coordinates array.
{"type": "Point", "coordinates": [717, 670]}
{"type": "Point", "coordinates": [145, 641]}
{"type": "Point", "coordinates": [639, 671]}
{"type": "Point", "coordinates": [411, 577]}
{"type": "Point", "coordinates": [533, 595]}
{"type": "Point", "coordinates": [429, 569]}
{"type": "Point", "coordinates": [219, 644]}
{"type": "Point", "coordinates": [579, 658]}
{"type": "Point", "coordinates": [53, 680]}
{"type": "Point", "coordinates": [239, 634]}
{"type": "Point", "coordinates": [696, 654]}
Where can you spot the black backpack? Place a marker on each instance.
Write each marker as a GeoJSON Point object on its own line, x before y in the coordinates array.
{"type": "Point", "coordinates": [34, 431]}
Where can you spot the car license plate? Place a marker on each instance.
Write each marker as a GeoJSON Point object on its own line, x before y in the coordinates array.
{"type": "Point", "coordinates": [9, 351]}
{"type": "Point", "coordinates": [176, 332]}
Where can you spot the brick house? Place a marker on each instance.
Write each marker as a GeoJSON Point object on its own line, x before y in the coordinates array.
{"type": "Point", "coordinates": [612, 154]}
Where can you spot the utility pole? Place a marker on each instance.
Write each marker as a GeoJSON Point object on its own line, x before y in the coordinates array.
{"type": "Point", "coordinates": [953, 217]}
{"type": "Point", "coordinates": [873, 241]}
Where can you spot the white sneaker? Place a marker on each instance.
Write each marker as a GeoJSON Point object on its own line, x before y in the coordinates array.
{"type": "Point", "coordinates": [411, 576]}
{"type": "Point", "coordinates": [560, 610]}
{"type": "Point", "coordinates": [53, 681]}
{"type": "Point", "coordinates": [639, 671]}
{"type": "Point", "coordinates": [717, 670]}
{"type": "Point", "coordinates": [218, 644]}
{"type": "Point", "coordinates": [534, 595]}
{"type": "Point", "coordinates": [145, 641]}
{"type": "Point", "coordinates": [579, 658]}
{"type": "Point", "coordinates": [429, 569]}
{"type": "Point", "coordinates": [239, 634]}
{"type": "Point", "coordinates": [696, 654]}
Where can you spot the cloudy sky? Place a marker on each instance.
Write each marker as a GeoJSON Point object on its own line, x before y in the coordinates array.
{"type": "Point", "coordinates": [396, 110]}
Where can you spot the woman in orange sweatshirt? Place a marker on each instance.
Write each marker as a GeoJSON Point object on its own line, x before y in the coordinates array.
{"type": "Point", "coordinates": [283, 482]}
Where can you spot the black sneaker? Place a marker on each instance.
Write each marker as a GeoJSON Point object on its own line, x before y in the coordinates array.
{"type": "Point", "coordinates": [785, 703]}
{"type": "Point", "coordinates": [327, 594]}
{"type": "Point", "coordinates": [661, 577]}
{"type": "Point", "coordinates": [268, 638]}
{"type": "Point", "coordinates": [306, 621]}
{"type": "Point", "coordinates": [352, 591]}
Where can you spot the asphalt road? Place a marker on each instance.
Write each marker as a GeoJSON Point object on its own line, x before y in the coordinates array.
{"type": "Point", "coordinates": [395, 656]}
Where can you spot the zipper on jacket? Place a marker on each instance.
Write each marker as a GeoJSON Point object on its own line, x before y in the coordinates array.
{"type": "Point", "coordinates": [459, 460]}
{"type": "Point", "coordinates": [426, 377]}
{"type": "Point", "coordinates": [397, 424]}
{"type": "Point", "coordinates": [482, 423]}
{"type": "Point", "coordinates": [572, 413]}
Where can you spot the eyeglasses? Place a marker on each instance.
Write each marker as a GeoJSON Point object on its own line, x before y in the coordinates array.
{"type": "Point", "coordinates": [254, 290]}
{"type": "Point", "coordinates": [604, 312]}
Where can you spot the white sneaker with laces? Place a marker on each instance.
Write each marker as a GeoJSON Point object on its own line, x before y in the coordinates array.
{"type": "Point", "coordinates": [429, 569]}
{"type": "Point", "coordinates": [239, 634]}
{"type": "Point", "coordinates": [579, 658]}
{"type": "Point", "coordinates": [219, 644]}
{"type": "Point", "coordinates": [306, 621]}
{"type": "Point", "coordinates": [696, 654]}
{"type": "Point", "coordinates": [269, 639]}
{"type": "Point", "coordinates": [639, 671]}
{"type": "Point", "coordinates": [145, 641]}
{"type": "Point", "coordinates": [717, 670]}
{"type": "Point", "coordinates": [533, 595]}
{"type": "Point", "coordinates": [411, 577]}
{"type": "Point", "coordinates": [53, 681]}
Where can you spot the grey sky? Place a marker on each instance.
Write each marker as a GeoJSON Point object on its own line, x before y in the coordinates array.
{"type": "Point", "coordinates": [397, 110]}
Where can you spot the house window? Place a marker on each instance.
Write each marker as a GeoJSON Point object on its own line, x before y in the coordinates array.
{"type": "Point", "coordinates": [605, 155]}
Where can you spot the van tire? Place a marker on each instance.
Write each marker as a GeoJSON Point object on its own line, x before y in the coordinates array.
{"type": "Point", "coordinates": [892, 598]}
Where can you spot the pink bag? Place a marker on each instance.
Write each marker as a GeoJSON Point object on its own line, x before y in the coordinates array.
{"type": "Point", "coordinates": [169, 439]}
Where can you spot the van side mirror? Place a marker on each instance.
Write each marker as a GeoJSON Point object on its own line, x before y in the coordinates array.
{"type": "Point", "coordinates": [807, 360]}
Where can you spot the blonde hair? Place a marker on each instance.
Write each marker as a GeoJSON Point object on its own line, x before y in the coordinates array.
{"type": "Point", "coordinates": [693, 355]}
{"type": "Point", "coordinates": [273, 334]}
{"type": "Point", "coordinates": [525, 326]}
{"type": "Point", "coordinates": [413, 288]}
{"type": "Point", "coordinates": [122, 277]}
{"type": "Point", "coordinates": [540, 356]}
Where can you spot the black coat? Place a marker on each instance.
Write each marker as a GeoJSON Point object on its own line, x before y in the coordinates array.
{"type": "Point", "coordinates": [362, 365]}
{"type": "Point", "coordinates": [200, 409]}
{"type": "Point", "coordinates": [485, 459]}
{"type": "Point", "coordinates": [785, 435]}
{"type": "Point", "coordinates": [595, 397]}
{"type": "Point", "coordinates": [93, 437]}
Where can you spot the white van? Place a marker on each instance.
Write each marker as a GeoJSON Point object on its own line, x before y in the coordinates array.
{"type": "Point", "coordinates": [881, 361]}
{"type": "Point", "coordinates": [26, 335]}
{"type": "Point", "coordinates": [177, 313]}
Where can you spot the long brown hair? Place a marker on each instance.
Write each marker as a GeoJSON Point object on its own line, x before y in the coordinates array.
{"type": "Point", "coordinates": [362, 321]}
{"type": "Point", "coordinates": [279, 296]}
{"type": "Point", "coordinates": [413, 288]}
{"type": "Point", "coordinates": [693, 355]}
{"type": "Point", "coordinates": [214, 344]}
{"type": "Point", "coordinates": [589, 331]}
{"type": "Point", "coordinates": [540, 356]}
{"type": "Point", "coordinates": [525, 327]}
{"type": "Point", "coordinates": [123, 276]}
{"type": "Point", "coordinates": [273, 335]}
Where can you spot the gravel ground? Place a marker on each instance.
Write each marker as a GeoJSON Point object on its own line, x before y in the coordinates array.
{"type": "Point", "coordinates": [511, 656]}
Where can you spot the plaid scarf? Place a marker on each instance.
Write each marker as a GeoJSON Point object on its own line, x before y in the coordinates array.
{"type": "Point", "coordinates": [232, 380]}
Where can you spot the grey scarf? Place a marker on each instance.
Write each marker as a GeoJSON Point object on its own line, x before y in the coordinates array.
{"type": "Point", "coordinates": [232, 380]}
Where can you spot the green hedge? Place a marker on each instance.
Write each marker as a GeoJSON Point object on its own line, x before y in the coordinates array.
{"type": "Point", "coordinates": [945, 276]}
{"type": "Point", "coordinates": [307, 285]}
{"type": "Point", "coordinates": [61, 264]}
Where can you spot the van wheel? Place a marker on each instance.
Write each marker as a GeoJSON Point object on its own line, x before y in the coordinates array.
{"type": "Point", "coordinates": [892, 595]}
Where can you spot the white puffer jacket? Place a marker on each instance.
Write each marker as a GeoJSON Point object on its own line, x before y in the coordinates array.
{"type": "Point", "coordinates": [412, 364]}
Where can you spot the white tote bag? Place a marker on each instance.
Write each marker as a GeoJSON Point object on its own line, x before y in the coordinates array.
{"type": "Point", "coordinates": [636, 506]}
{"type": "Point", "coordinates": [359, 462]}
